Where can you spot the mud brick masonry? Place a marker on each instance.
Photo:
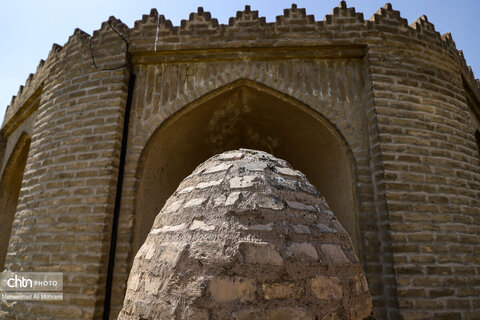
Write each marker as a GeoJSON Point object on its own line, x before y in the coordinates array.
{"type": "Point", "coordinates": [382, 117]}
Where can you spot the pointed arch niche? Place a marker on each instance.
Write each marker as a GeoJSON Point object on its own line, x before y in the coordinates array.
{"type": "Point", "coordinates": [10, 190]}
{"type": "Point", "coordinates": [246, 114]}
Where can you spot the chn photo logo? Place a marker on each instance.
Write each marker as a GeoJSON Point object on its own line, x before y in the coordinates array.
{"type": "Point", "coordinates": [31, 286]}
{"type": "Point", "coordinates": [19, 282]}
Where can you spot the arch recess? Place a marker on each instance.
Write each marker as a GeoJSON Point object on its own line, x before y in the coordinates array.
{"type": "Point", "coordinates": [10, 190]}
{"type": "Point", "coordinates": [246, 114]}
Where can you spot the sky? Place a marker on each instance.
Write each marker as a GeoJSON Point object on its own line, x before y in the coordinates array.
{"type": "Point", "coordinates": [28, 28]}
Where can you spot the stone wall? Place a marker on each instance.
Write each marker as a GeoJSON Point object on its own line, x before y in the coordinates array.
{"type": "Point", "coordinates": [399, 98]}
{"type": "Point", "coordinates": [245, 236]}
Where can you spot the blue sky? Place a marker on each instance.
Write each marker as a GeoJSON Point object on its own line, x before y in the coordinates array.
{"type": "Point", "coordinates": [28, 28]}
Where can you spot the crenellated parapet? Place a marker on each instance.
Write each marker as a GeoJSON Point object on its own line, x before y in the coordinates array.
{"type": "Point", "coordinates": [386, 16]}
{"type": "Point", "coordinates": [342, 15]}
{"type": "Point", "coordinates": [154, 34]}
{"type": "Point", "coordinates": [247, 21]}
{"type": "Point", "coordinates": [199, 23]}
{"type": "Point", "coordinates": [468, 75]}
{"type": "Point", "coordinates": [295, 20]}
{"type": "Point", "coordinates": [106, 47]}
{"type": "Point", "coordinates": [27, 95]}
{"type": "Point", "coordinates": [425, 28]}
{"type": "Point", "coordinates": [152, 26]}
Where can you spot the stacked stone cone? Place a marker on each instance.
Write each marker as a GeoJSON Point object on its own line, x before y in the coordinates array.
{"type": "Point", "coordinates": [245, 236]}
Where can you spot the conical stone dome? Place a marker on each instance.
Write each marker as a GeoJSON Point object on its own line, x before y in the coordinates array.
{"type": "Point", "coordinates": [245, 236]}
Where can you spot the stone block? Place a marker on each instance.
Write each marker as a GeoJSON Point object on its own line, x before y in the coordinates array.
{"type": "Point", "coordinates": [334, 254]}
{"type": "Point", "coordinates": [219, 200]}
{"type": "Point", "coordinates": [177, 227]}
{"type": "Point", "coordinates": [258, 227]}
{"type": "Point", "coordinates": [288, 171]}
{"type": "Point", "coordinates": [186, 190]}
{"type": "Point", "coordinates": [193, 313]}
{"type": "Point", "coordinates": [228, 290]}
{"type": "Point", "coordinates": [174, 206]}
{"type": "Point", "coordinates": [141, 308]}
{"type": "Point", "coordinates": [254, 166]}
{"type": "Point", "coordinates": [297, 228]}
{"type": "Point", "coordinates": [281, 290]}
{"type": "Point", "coordinates": [150, 252]}
{"type": "Point", "coordinates": [242, 182]}
{"type": "Point", "coordinates": [218, 168]}
{"type": "Point", "coordinates": [200, 225]}
{"type": "Point", "coordinates": [206, 250]}
{"type": "Point", "coordinates": [280, 182]}
{"type": "Point", "coordinates": [133, 282]}
{"type": "Point", "coordinates": [232, 198]}
{"type": "Point", "coordinates": [195, 202]}
{"type": "Point", "coordinates": [325, 288]}
{"type": "Point", "coordinates": [208, 184]}
{"type": "Point", "coordinates": [356, 285]}
{"type": "Point", "coordinates": [302, 250]}
{"type": "Point", "coordinates": [284, 313]}
{"type": "Point", "coordinates": [331, 316]}
{"type": "Point", "coordinates": [231, 156]}
{"type": "Point", "coordinates": [300, 206]}
{"type": "Point", "coordinates": [169, 252]}
{"type": "Point", "coordinates": [323, 228]}
{"type": "Point", "coordinates": [260, 253]}
{"type": "Point", "coordinates": [266, 202]}
{"type": "Point", "coordinates": [280, 313]}
{"type": "Point", "coordinates": [153, 284]}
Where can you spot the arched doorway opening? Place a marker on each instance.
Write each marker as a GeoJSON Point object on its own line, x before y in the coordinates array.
{"type": "Point", "coordinates": [10, 190]}
{"type": "Point", "coordinates": [245, 114]}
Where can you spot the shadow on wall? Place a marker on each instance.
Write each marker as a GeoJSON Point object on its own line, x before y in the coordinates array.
{"type": "Point", "coordinates": [246, 115]}
{"type": "Point", "coordinates": [477, 138]}
{"type": "Point", "coordinates": [9, 191]}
